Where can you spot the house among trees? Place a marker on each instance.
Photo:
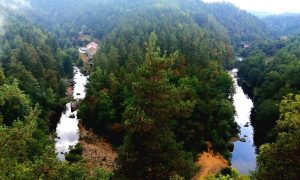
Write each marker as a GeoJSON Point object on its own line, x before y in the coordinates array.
{"type": "Point", "coordinates": [245, 45]}
{"type": "Point", "coordinates": [86, 53]}
{"type": "Point", "coordinates": [92, 48]}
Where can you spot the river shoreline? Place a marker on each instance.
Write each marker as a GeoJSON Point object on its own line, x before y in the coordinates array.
{"type": "Point", "coordinates": [97, 151]}
{"type": "Point", "coordinates": [210, 163]}
{"type": "Point", "coordinates": [243, 155]}
{"type": "Point", "coordinates": [67, 130]}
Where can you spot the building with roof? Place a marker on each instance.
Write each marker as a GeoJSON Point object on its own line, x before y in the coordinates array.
{"type": "Point", "coordinates": [86, 53]}
{"type": "Point", "coordinates": [92, 48]}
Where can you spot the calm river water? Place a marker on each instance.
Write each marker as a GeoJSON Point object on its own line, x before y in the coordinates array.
{"type": "Point", "coordinates": [67, 129]}
{"type": "Point", "coordinates": [243, 155]}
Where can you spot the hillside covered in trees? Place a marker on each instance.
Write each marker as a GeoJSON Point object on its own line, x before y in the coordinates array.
{"type": "Point", "coordinates": [240, 25]}
{"type": "Point", "coordinates": [32, 92]}
{"type": "Point", "coordinates": [283, 24]}
{"type": "Point", "coordinates": [66, 18]}
{"type": "Point", "coordinates": [158, 90]}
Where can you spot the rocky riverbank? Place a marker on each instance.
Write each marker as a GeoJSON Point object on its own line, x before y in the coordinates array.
{"type": "Point", "coordinates": [97, 151]}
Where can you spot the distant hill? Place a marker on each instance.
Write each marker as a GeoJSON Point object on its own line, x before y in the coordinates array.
{"type": "Point", "coordinates": [224, 20]}
{"type": "Point", "coordinates": [260, 14]}
{"type": "Point", "coordinates": [284, 24]}
{"type": "Point", "coordinates": [241, 25]}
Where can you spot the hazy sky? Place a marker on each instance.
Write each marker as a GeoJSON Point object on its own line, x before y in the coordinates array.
{"type": "Point", "coordinates": [274, 6]}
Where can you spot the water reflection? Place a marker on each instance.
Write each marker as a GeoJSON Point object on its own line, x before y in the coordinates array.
{"type": "Point", "coordinates": [67, 129]}
{"type": "Point", "coordinates": [243, 155]}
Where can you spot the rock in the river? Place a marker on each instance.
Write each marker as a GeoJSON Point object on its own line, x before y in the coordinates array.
{"type": "Point", "coordinates": [243, 140]}
{"type": "Point", "coordinates": [74, 105]}
{"type": "Point", "coordinates": [247, 124]}
{"type": "Point", "coordinates": [72, 116]}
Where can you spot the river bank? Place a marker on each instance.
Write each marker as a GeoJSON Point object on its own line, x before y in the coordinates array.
{"type": "Point", "coordinates": [243, 155]}
{"type": "Point", "coordinates": [210, 164]}
{"type": "Point", "coordinates": [67, 130]}
{"type": "Point", "coordinates": [97, 151]}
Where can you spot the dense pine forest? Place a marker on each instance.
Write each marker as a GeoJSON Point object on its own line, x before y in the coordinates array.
{"type": "Point", "coordinates": [158, 92]}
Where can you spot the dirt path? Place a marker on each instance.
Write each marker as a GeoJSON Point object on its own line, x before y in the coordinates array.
{"type": "Point", "coordinates": [97, 152]}
{"type": "Point", "coordinates": [209, 163]}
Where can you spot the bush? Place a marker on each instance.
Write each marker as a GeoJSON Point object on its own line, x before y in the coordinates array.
{"type": "Point", "coordinates": [75, 153]}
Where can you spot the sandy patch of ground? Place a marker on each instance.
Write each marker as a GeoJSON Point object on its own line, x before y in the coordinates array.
{"type": "Point", "coordinates": [97, 152]}
{"type": "Point", "coordinates": [209, 163]}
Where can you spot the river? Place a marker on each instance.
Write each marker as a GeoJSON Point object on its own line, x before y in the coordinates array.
{"type": "Point", "coordinates": [67, 130]}
{"type": "Point", "coordinates": [243, 155]}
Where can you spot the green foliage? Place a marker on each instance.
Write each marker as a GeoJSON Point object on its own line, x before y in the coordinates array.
{"type": "Point", "coordinates": [277, 160]}
{"type": "Point", "coordinates": [14, 104]}
{"type": "Point", "coordinates": [32, 67]}
{"type": "Point", "coordinates": [32, 57]}
{"type": "Point", "coordinates": [229, 174]}
{"type": "Point", "coordinates": [240, 25]}
{"type": "Point", "coordinates": [26, 152]}
{"type": "Point", "coordinates": [237, 25]}
{"type": "Point", "coordinates": [149, 95]}
{"type": "Point", "coordinates": [75, 153]}
{"type": "Point", "coordinates": [150, 150]}
{"type": "Point", "coordinates": [2, 77]}
{"type": "Point", "coordinates": [97, 110]}
{"type": "Point", "coordinates": [267, 78]}
{"type": "Point", "coordinates": [200, 59]}
{"type": "Point", "coordinates": [284, 24]}
{"type": "Point", "coordinates": [101, 174]}
{"type": "Point", "coordinates": [113, 57]}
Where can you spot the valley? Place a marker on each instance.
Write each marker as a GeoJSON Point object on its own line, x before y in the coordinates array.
{"type": "Point", "coordinates": [148, 89]}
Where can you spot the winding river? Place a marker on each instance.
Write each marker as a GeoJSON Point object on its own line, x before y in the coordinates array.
{"type": "Point", "coordinates": [243, 155]}
{"type": "Point", "coordinates": [67, 130]}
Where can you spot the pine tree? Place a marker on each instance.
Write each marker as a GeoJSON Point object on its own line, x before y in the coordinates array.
{"type": "Point", "coordinates": [150, 150]}
{"type": "Point", "coordinates": [113, 58]}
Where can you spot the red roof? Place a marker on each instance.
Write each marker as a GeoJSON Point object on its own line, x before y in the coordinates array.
{"type": "Point", "coordinates": [92, 45]}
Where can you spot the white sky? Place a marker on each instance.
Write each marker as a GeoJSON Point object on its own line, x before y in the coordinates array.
{"type": "Point", "coordinates": [274, 6]}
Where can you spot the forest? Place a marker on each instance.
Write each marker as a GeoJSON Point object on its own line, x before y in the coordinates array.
{"type": "Point", "coordinates": [159, 91]}
{"type": "Point", "coordinates": [283, 25]}
{"type": "Point", "coordinates": [270, 76]}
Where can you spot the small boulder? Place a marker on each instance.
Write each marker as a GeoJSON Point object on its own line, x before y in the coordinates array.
{"type": "Point", "coordinates": [74, 105]}
{"type": "Point", "coordinates": [243, 140]}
